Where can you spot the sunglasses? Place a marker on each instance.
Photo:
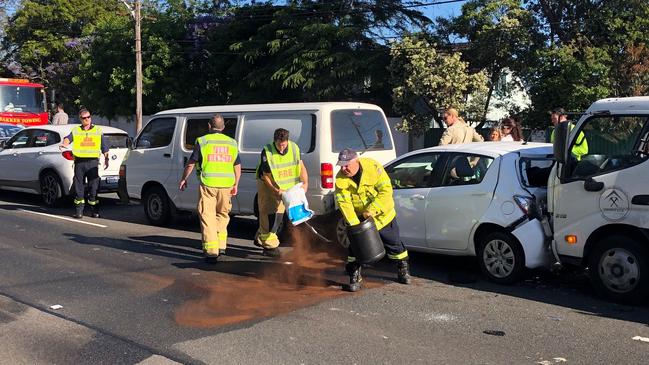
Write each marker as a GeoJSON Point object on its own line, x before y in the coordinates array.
{"type": "Point", "coordinates": [86, 117]}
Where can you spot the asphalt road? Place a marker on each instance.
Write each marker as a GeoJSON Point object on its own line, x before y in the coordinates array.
{"type": "Point", "coordinates": [133, 293]}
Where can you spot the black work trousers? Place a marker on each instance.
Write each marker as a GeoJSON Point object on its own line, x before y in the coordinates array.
{"type": "Point", "coordinates": [394, 248]}
{"type": "Point", "coordinates": [86, 168]}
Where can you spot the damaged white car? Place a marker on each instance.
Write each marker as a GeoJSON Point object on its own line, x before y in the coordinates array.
{"type": "Point", "coordinates": [477, 199]}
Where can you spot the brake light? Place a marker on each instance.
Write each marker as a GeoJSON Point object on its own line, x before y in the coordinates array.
{"type": "Point", "coordinates": [122, 171]}
{"type": "Point", "coordinates": [68, 155]}
{"type": "Point", "coordinates": [327, 175]}
{"type": "Point", "coordinates": [527, 204]}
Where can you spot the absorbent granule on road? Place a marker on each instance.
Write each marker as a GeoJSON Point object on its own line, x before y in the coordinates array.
{"type": "Point", "coordinates": [268, 288]}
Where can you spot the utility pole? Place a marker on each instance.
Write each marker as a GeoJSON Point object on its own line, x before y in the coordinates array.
{"type": "Point", "coordinates": [138, 67]}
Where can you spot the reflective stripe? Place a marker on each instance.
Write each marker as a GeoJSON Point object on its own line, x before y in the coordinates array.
{"type": "Point", "coordinates": [351, 259]}
{"type": "Point", "coordinates": [210, 245]}
{"type": "Point", "coordinates": [268, 236]}
{"type": "Point", "coordinates": [211, 141]}
{"type": "Point", "coordinates": [79, 201]}
{"type": "Point", "coordinates": [217, 174]}
{"type": "Point", "coordinates": [399, 256]}
{"type": "Point", "coordinates": [93, 202]}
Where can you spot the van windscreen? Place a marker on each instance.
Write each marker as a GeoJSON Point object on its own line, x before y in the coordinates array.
{"type": "Point", "coordinates": [359, 129]}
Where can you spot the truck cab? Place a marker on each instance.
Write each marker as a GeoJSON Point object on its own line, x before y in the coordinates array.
{"type": "Point", "coordinates": [598, 204]}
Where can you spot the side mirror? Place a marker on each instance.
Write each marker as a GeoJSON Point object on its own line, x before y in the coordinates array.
{"type": "Point", "coordinates": [129, 143]}
{"type": "Point", "coordinates": [560, 138]}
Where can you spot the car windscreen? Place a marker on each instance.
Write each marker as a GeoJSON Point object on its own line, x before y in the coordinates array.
{"type": "Point", "coordinates": [535, 171]}
{"type": "Point", "coordinates": [7, 131]}
{"type": "Point", "coordinates": [360, 130]}
{"type": "Point", "coordinates": [116, 140]}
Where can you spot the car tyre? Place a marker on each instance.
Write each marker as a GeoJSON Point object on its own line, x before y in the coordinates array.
{"type": "Point", "coordinates": [619, 269]}
{"type": "Point", "coordinates": [501, 258]}
{"type": "Point", "coordinates": [51, 189]}
{"type": "Point", "coordinates": [157, 206]}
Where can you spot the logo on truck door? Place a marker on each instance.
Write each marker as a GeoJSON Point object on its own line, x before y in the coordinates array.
{"type": "Point", "coordinates": [614, 204]}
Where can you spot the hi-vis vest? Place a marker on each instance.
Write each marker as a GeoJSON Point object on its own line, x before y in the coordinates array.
{"type": "Point", "coordinates": [218, 153]}
{"type": "Point", "coordinates": [581, 144]}
{"type": "Point", "coordinates": [86, 144]}
{"type": "Point", "coordinates": [284, 168]}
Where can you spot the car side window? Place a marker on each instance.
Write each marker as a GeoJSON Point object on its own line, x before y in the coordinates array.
{"type": "Point", "coordinates": [413, 172]}
{"type": "Point", "coordinates": [157, 133]}
{"type": "Point", "coordinates": [466, 169]}
{"type": "Point", "coordinates": [20, 140]}
{"type": "Point", "coordinates": [198, 127]}
{"type": "Point", "coordinates": [43, 138]}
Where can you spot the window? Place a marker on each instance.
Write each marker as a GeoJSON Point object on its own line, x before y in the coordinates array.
{"type": "Point", "coordinates": [360, 130]}
{"type": "Point", "coordinates": [199, 127]}
{"type": "Point", "coordinates": [7, 131]}
{"type": "Point", "coordinates": [19, 140]}
{"type": "Point", "coordinates": [413, 172]}
{"type": "Point", "coordinates": [157, 133]}
{"type": "Point", "coordinates": [42, 138]}
{"type": "Point", "coordinates": [463, 169]}
{"type": "Point", "coordinates": [614, 143]}
{"type": "Point", "coordinates": [535, 171]}
{"type": "Point", "coordinates": [117, 140]}
{"type": "Point", "coordinates": [258, 130]}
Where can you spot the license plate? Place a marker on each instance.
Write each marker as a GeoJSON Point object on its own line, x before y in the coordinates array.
{"type": "Point", "coordinates": [112, 179]}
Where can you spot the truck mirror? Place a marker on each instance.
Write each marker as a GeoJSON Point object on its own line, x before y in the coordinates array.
{"type": "Point", "coordinates": [129, 143]}
{"type": "Point", "coordinates": [559, 144]}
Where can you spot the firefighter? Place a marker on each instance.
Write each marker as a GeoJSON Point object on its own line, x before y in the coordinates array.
{"type": "Point", "coordinates": [88, 144]}
{"type": "Point", "coordinates": [364, 190]}
{"type": "Point", "coordinates": [279, 169]}
{"type": "Point", "coordinates": [217, 156]}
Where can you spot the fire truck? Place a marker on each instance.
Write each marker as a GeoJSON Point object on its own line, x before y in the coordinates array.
{"type": "Point", "coordinates": [22, 102]}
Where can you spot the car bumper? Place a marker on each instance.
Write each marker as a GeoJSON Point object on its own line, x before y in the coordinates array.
{"type": "Point", "coordinates": [530, 235]}
{"type": "Point", "coordinates": [109, 184]}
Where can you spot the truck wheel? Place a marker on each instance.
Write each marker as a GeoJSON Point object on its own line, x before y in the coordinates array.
{"type": "Point", "coordinates": [51, 189]}
{"type": "Point", "coordinates": [619, 269]}
{"type": "Point", "coordinates": [157, 207]}
{"type": "Point", "coordinates": [501, 258]}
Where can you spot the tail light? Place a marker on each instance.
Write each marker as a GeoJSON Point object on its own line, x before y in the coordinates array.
{"type": "Point", "coordinates": [327, 175]}
{"type": "Point", "coordinates": [67, 155]}
{"type": "Point", "coordinates": [528, 205]}
{"type": "Point", "coordinates": [122, 171]}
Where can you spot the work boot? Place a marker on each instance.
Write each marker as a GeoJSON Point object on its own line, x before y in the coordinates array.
{"type": "Point", "coordinates": [221, 251]}
{"type": "Point", "coordinates": [94, 211]}
{"type": "Point", "coordinates": [211, 259]}
{"type": "Point", "coordinates": [403, 273]}
{"type": "Point", "coordinates": [355, 278]}
{"type": "Point", "coordinates": [78, 211]}
{"type": "Point", "coordinates": [271, 252]}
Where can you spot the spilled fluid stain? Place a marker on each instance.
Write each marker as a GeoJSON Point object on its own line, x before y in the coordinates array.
{"type": "Point", "coordinates": [310, 273]}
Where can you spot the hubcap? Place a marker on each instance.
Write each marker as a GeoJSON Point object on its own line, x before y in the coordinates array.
{"type": "Point", "coordinates": [341, 233]}
{"type": "Point", "coordinates": [49, 189]}
{"type": "Point", "coordinates": [619, 270]}
{"type": "Point", "coordinates": [498, 258]}
{"type": "Point", "coordinates": [155, 206]}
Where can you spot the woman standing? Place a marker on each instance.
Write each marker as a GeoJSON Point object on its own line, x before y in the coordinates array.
{"type": "Point", "coordinates": [510, 130]}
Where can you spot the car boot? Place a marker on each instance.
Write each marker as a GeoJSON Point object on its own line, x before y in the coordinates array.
{"type": "Point", "coordinates": [403, 272]}
{"type": "Point", "coordinates": [355, 278]}
{"type": "Point", "coordinates": [78, 211]}
{"type": "Point", "coordinates": [94, 211]}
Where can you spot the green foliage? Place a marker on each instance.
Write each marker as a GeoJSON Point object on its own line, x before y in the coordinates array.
{"type": "Point", "coordinates": [418, 72]}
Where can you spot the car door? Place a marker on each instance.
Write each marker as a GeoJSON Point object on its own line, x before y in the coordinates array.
{"type": "Point", "coordinates": [35, 155]}
{"type": "Point", "coordinates": [11, 159]}
{"type": "Point", "coordinates": [412, 178]}
{"type": "Point", "coordinates": [194, 127]}
{"type": "Point", "coordinates": [466, 190]}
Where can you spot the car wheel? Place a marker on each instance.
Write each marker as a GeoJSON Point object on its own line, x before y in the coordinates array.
{"type": "Point", "coordinates": [501, 257]}
{"type": "Point", "coordinates": [341, 231]}
{"type": "Point", "coordinates": [51, 189]}
{"type": "Point", "coordinates": [157, 206]}
{"type": "Point", "coordinates": [619, 269]}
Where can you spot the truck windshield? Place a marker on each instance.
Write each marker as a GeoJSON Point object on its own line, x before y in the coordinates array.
{"type": "Point", "coordinates": [19, 99]}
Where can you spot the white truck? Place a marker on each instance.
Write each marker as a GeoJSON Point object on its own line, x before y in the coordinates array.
{"type": "Point", "coordinates": [599, 205]}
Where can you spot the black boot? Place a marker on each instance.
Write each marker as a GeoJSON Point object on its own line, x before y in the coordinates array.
{"type": "Point", "coordinates": [78, 211]}
{"type": "Point", "coordinates": [403, 273]}
{"type": "Point", "coordinates": [355, 278]}
{"type": "Point", "coordinates": [95, 211]}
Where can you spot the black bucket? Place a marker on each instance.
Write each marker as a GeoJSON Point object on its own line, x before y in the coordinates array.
{"type": "Point", "coordinates": [365, 242]}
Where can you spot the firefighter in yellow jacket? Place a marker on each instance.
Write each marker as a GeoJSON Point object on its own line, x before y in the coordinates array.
{"type": "Point", "coordinates": [220, 170]}
{"type": "Point", "coordinates": [280, 168]}
{"type": "Point", "coordinates": [363, 190]}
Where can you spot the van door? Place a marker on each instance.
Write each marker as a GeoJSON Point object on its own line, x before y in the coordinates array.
{"type": "Point", "coordinates": [600, 188]}
{"type": "Point", "coordinates": [193, 128]}
{"type": "Point", "coordinates": [151, 154]}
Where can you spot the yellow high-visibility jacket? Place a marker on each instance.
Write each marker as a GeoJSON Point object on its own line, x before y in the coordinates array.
{"type": "Point", "coordinates": [373, 194]}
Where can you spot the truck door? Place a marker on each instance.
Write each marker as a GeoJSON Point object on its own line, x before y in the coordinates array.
{"type": "Point", "coordinates": [605, 184]}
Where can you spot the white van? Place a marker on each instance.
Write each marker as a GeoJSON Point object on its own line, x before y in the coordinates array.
{"type": "Point", "coordinates": [321, 130]}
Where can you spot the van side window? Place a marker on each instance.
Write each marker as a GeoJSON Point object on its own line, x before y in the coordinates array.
{"type": "Point", "coordinates": [157, 133]}
{"type": "Point", "coordinates": [258, 130]}
{"type": "Point", "coordinates": [360, 130]}
{"type": "Point", "coordinates": [195, 128]}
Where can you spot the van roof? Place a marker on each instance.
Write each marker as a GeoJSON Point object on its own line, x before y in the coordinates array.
{"type": "Point", "coordinates": [269, 107]}
{"type": "Point", "coordinates": [635, 104]}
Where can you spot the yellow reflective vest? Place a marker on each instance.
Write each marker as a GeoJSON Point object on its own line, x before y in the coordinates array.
{"type": "Point", "coordinates": [581, 144]}
{"type": "Point", "coordinates": [86, 143]}
{"type": "Point", "coordinates": [285, 168]}
{"type": "Point", "coordinates": [218, 153]}
{"type": "Point", "coordinates": [372, 194]}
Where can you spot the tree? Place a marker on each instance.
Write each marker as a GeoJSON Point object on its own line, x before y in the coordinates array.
{"type": "Point", "coordinates": [420, 73]}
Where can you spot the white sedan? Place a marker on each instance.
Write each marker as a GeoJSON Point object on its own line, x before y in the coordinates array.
{"type": "Point", "coordinates": [476, 199]}
{"type": "Point", "coordinates": [32, 162]}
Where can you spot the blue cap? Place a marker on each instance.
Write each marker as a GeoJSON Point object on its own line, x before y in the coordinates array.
{"type": "Point", "coordinates": [345, 156]}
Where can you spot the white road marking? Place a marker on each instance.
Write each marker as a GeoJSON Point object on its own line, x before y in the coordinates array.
{"type": "Point", "coordinates": [64, 218]}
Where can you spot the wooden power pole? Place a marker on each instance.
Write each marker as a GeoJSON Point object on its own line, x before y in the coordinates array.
{"type": "Point", "coordinates": [138, 67]}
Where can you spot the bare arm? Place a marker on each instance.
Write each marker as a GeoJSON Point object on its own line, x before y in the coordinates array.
{"type": "Point", "coordinates": [186, 172]}
{"type": "Point", "coordinates": [267, 178]}
{"type": "Point", "coordinates": [304, 176]}
{"type": "Point", "coordinates": [237, 176]}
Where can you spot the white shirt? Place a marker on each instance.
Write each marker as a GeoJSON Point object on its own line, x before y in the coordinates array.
{"type": "Point", "coordinates": [507, 138]}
